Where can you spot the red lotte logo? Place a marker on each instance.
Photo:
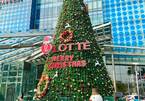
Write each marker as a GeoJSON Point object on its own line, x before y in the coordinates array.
{"type": "Point", "coordinates": [46, 46]}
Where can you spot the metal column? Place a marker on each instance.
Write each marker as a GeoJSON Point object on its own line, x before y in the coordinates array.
{"type": "Point", "coordinates": [114, 76]}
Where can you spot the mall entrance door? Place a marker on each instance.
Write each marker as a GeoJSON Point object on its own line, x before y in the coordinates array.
{"type": "Point", "coordinates": [10, 96]}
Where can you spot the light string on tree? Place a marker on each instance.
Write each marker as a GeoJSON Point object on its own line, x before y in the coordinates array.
{"type": "Point", "coordinates": [44, 78]}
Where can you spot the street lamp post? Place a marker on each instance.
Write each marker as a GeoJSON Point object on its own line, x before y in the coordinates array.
{"type": "Point", "coordinates": [114, 75]}
{"type": "Point", "coordinates": [136, 76]}
{"type": "Point", "coordinates": [128, 86]}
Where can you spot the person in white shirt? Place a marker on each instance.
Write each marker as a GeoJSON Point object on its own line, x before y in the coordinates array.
{"type": "Point", "coordinates": [95, 95]}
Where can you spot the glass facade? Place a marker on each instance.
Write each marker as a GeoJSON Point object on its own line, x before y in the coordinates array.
{"type": "Point", "coordinates": [15, 16]}
{"type": "Point", "coordinates": [24, 15]}
{"type": "Point", "coordinates": [16, 78]}
{"type": "Point", "coordinates": [48, 12]}
{"type": "Point", "coordinates": [11, 80]}
{"type": "Point", "coordinates": [128, 21]}
{"type": "Point", "coordinates": [95, 11]}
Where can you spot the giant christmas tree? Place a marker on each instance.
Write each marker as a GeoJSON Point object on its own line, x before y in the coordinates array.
{"type": "Point", "coordinates": [75, 63]}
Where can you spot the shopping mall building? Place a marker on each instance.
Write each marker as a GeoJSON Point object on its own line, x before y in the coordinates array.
{"type": "Point", "coordinates": [119, 26]}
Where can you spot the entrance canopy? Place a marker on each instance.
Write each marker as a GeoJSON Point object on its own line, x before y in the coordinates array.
{"type": "Point", "coordinates": [21, 46]}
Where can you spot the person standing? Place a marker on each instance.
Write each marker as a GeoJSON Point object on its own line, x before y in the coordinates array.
{"type": "Point", "coordinates": [95, 95]}
{"type": "Point", "coordinates": [20, 98]}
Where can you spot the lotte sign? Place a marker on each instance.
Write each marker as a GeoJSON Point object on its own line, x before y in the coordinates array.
{"type": "Point", "coordinates": [63, 61]}
{"type": "Point", "coordinates": [47, 47]}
